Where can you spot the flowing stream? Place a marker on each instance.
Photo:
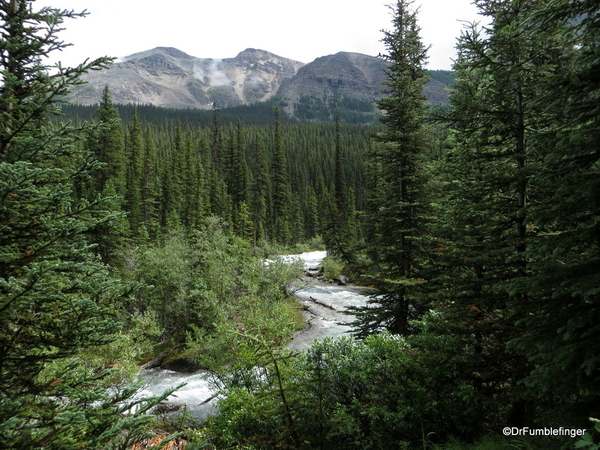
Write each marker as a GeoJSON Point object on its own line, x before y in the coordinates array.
{"type": "Point", "coordinates": [323, 303]}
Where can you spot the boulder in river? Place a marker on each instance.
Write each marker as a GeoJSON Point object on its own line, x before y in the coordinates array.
{"type": "Point", "coordinates": [165, 408]}
{"type": "Point", "coordinates": [343, 280]}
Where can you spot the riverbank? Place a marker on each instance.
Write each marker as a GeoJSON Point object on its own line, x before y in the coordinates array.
{"type": "Point", "coordinates": [322, 305]}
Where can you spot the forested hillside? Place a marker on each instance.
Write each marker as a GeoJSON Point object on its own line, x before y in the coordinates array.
{"type": "Point", "coordinates": [135, 235]}
{"type": "Point", "coordinates": [174, 168]}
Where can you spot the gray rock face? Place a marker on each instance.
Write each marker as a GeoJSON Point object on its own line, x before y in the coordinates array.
{"type": "Point", "coordinates": [350, 74]}
{"type": "Point", "coordinates": [168, 77]}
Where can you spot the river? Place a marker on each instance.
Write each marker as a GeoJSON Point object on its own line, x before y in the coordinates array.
{"type": "Point", "coordinates": [324, 305]}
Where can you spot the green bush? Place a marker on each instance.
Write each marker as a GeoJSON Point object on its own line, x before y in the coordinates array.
{"type": "Point", "coordinates": [208, 278]}
{"type": "Point", "coordinates": [341, 394]}
{"type": "Point", "coordinates": [332, 268]}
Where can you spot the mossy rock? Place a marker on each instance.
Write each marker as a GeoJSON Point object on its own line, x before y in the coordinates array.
{"type": "Point", "coordinates": [180, 363]}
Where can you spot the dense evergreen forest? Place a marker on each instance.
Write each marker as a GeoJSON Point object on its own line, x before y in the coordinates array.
{"type": "Point", "coordinates": [271, 181]}
{"type": "Point", "coordinates": [130, 232]}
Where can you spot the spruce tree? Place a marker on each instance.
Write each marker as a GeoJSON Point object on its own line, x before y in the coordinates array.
{"type": "Point", "coordinates": [107, 144]}
{"type": "Point", "coordinates": [150, 188]}
{"type": "Point", "coordinates": [134, 167]}
{"type": "Point", "coordinates": [281, 188]}
{"type": "Point", "coordinates": [397, 217]}
{"type": "Point", "coordinates": [489, 195]}
{"type": "Point", "coordinates": [338, 225]}
{"type": "Point", "coordinates": [217, 144]}
{"type": "Point", "coordinates": [56, 298]}
{"type": "Point", "coordinates": [341, 188]}
{"type": "Point", "coordinates": [194, 186]}
{"type": "Point", "coordinates": [238, 176]}
{"type": "Point", "coordinates": [560, 318]}
{"type": "Point", "coordinates": [261, 192]}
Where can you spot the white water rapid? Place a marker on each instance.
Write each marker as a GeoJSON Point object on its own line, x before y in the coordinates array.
{"type": "Point", "coordinates": [323, 302]}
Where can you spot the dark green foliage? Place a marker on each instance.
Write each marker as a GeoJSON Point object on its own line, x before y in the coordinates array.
{"type": "Point", "coordinates": [342, 394]}
{"type": "Point", "coordinates": [560, 318]}
{"type": "Point", "coordinates": [282, 202]}
{"type": "Point", "coordinates": [190, 172]}
{"type": "Point", "coordinates": [133, 178]}
{"type": "Point", "coordinates": [56, 298]}
{"type": "Point", "coordinates": [516, 286]}
{"type": "Point", "coordinates": [397, 207]}
{"type": "Point", "coordinates": [260, 114]}
{"type": "Point", "coordinates": [260, 193]}
{"type": "Point", "coordinates": [338, 224]}
{"type": "Point", "coordinates": [327, 109]}
{"type": "Point", "coordinates": [489, 239]}
{"type": "Point", "coordinates": [107, 145]}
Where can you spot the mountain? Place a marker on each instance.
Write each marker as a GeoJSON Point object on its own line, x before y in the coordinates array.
{"type": "Point", "coordinates": [348, 81]}
{"type": "Point", "coordinates": [169, 77]}
{"type": "Point", "coordinates": [165, 76]}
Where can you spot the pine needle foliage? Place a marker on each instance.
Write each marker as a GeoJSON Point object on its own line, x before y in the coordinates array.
{"type": "Point", "coordinates": [56, 298]}
{"type": "Point", "coordinates": [397, 203]}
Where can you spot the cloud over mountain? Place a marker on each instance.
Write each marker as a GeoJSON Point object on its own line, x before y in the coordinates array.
{"type": "Point", "coordinates": [166, 76]}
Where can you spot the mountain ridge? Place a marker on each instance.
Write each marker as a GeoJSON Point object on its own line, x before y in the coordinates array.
{"type": "Point", "coordinates": [169, 77]}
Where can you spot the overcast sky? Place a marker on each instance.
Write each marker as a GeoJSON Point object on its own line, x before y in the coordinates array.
{"type": "Point", "coordinates": [301, 30]}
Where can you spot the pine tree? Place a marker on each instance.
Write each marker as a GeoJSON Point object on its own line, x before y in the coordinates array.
{"type": "Point", "coordinates": [133, 179]}
{"type": "Point", "coordinates": [560, 316]}
{"type": "Point", "coordinates": [238, 174]}
{"type": "Point", "coordinates": [341, 188]}
{"type": "Point", "coordinates": [195, 195]}
{"type": "Point", "coordinates": [281, 188]}
{"type": "Point", "coordinates": [312, 214]}
{"type": "Point", "coordinates": [398, 200]}
{"type": "Point", "coordinates": [485, 221]}
{"type": "Point", "coordinates": [107, 144]}
{"type": "Point", "coordinates": [217, 144]}
{"type": "Point", "coordinates": [338, 226]}
{"type": "Point", "coordinates": [150, 188]}
{"type": "Point", "coordinates": [261, 192]}
{"type": "Point", "coordinates": [55, 296]}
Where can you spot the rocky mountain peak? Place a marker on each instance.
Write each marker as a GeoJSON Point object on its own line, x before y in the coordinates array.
{"type": "Point", "coordinates": [167, 52]}
{"type": "Point", "coordinates": [175, 53]}
{"type": "Point", "coordinates": [254, 54]}
{"type": "Point", "coordinates": [166, 76]}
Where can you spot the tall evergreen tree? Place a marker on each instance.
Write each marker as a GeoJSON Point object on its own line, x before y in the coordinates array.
{"type": "Point", "coordinates": [261, 192]}
{"type": "Point", "coordinates": [398, 210]}
{"type": "Point", "coordinates": [338, 224]}
{"type": "Point", "coordinates": [149, 187]}
{"type": "Point", "coordinates": [107, 144]}
{"type": "Point", "coordinates": [55, 297]}
{"type": "Point", "coordinates": [560, 316]}
{"type": "Point", "coordinates": [134, 167]}
{"type": "Point", "coordinates": [238, 175]}
{"type": "Point", "coordinates": [194, 186]}
{"type": "Point", "coordinates": [217, 144]}
{"type": "Point", "coordinates": [489, 197]}
{"type": "Point", "coordinates": [341, 188]}
{"type": "Point", "coordinates": [281, 187]}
